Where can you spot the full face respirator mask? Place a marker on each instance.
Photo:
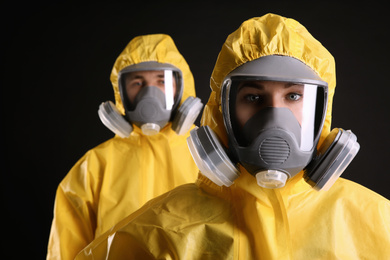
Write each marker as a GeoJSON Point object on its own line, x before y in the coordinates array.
{"type": "Point", "coordinates": [273, 110]}
{"type": "Point", "coordinates": [150, 106]}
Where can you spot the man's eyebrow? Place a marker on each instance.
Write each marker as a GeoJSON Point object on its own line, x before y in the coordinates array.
{"type": "Point", "coordinates": [132, 76]}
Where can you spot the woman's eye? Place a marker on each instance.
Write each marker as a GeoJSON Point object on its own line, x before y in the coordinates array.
{"type": "Point", "coordinates": [294, 96]}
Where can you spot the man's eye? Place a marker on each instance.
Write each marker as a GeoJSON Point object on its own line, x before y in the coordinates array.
{"type": "Point", "coordinates": [136, 83]}
{"type": "Point", "coordinates": [294, 96]}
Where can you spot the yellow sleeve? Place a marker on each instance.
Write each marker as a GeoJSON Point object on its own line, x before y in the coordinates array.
{"type": "Point", "coordinates": [74, 221]}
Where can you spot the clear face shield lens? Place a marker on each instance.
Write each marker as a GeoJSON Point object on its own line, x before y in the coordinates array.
{"type": "Point", "coordinates": [169, 89]}
{"type": "Point", "coordinates": [164, 80]}
{"type": "Point", "coordinates": [273, 126]}
{"type": "Point", "coordinates": [256, 106]}
{"type": "Point", "coordinates": [150, 96]}
{"type": "Point", "coordinates": [308, 126]}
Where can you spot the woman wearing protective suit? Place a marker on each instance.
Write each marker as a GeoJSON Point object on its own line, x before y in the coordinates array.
{"type": "Point", "coordinates": [155, 109]}
{"type": "Point", "coordinates": [269, 187]}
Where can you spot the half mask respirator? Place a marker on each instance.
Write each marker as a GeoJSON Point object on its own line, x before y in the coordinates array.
{"type": "Point", "coordinates": [285, 103]}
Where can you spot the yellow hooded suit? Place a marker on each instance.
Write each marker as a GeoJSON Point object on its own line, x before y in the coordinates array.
{"type": "Point", "coordinates": [117, 177]}
{"type": "Point", "coordinates": [246, 221]}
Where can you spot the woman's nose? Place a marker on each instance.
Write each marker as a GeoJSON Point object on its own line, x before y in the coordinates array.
{"type": "Point", "coordinates": [275, 101]}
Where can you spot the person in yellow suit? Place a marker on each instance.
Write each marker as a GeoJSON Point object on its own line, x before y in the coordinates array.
{"type": "Point", "coordinates": [155, 109]}
{"type": "Point", "coordinates": [270, 164]}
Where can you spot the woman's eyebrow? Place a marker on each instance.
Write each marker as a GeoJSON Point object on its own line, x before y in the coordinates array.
{"type": "Point", "coordinates": [251, 84]}
{"type": "Point", "coordinates": [290, 84]}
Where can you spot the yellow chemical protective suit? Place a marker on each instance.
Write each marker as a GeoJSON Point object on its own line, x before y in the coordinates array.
{"type": "Point", "coordinates": [117, 177]}
{"type": "Point", "coordinates": [246, 221]}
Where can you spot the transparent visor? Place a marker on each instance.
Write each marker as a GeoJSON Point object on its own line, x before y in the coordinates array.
{"type": "Point", "coordinates": [167, 87]}
{"type": "Point", "coordinates": [251, 104]}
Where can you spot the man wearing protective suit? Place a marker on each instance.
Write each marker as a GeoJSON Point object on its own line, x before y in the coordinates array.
{"type": "Point", "coordinates": [269, 187]}
{"type": "Point", "coordinates": [155, 109]}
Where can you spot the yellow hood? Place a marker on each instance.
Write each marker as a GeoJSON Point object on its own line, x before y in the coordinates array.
{"type": "Point", "coordinates": [262, 36]}
{"type": "Point", "coordinates": [154, 47]}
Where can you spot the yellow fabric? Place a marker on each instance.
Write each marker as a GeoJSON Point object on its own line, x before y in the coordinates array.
{"type": "Point", "coordinates": [246, 221]}
{"type": "Point", "coordinates": [117, 177]}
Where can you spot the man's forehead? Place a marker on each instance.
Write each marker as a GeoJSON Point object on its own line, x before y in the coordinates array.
{"type": "Point", "coordinates": [146, 73]}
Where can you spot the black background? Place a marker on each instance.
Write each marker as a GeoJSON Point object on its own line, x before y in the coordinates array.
{"type": "Point", "coordinates": [56, 62]}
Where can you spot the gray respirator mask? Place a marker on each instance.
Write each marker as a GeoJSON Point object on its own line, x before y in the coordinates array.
{"type": "Point", "coordinates": [279, 137]}
{"type": "Point", "coordinates": [153, 106]}
{"type": "Point", "coordinates": [150, 111]}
